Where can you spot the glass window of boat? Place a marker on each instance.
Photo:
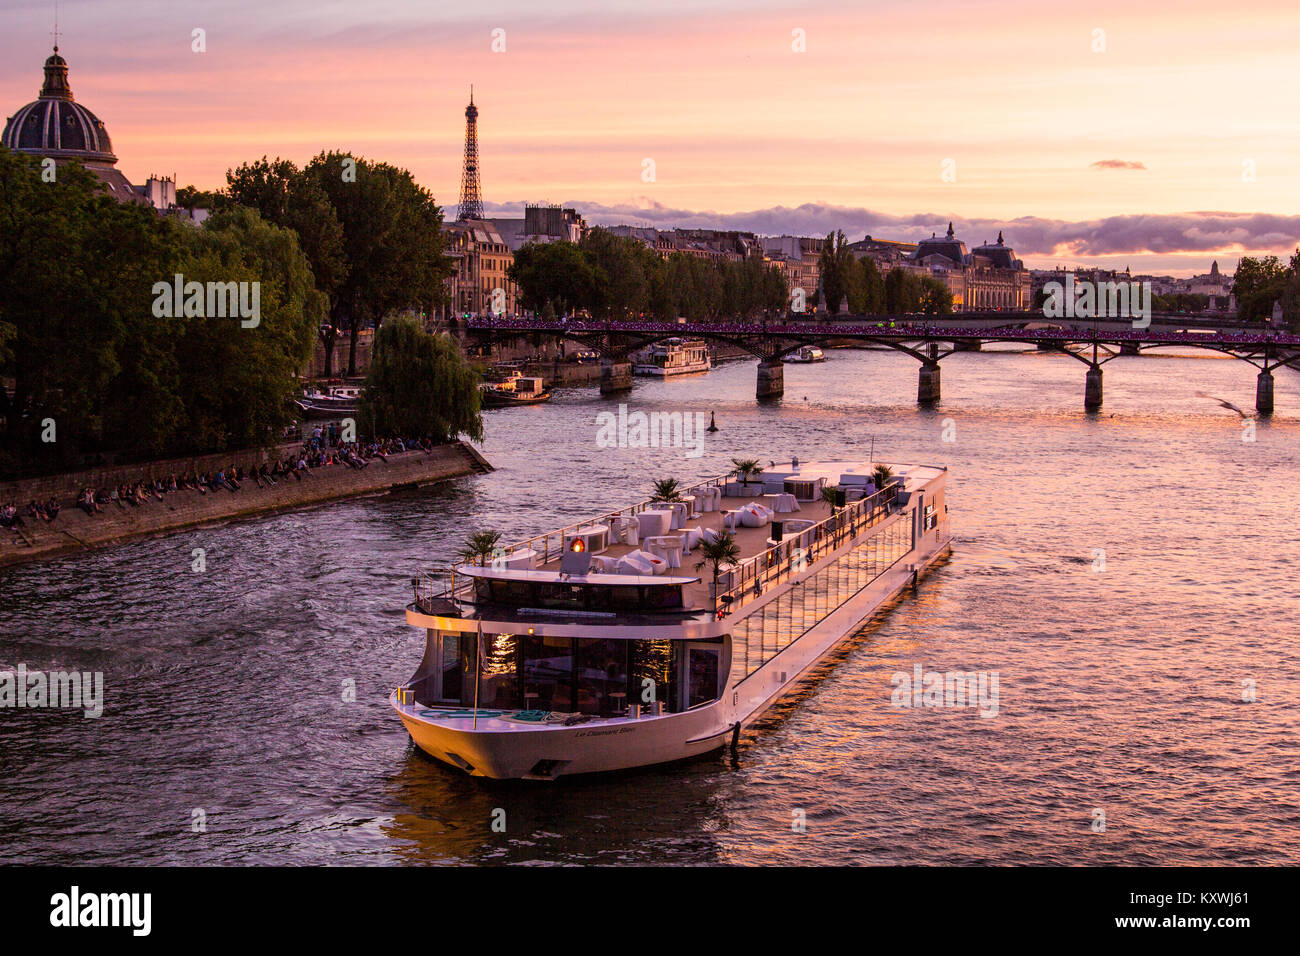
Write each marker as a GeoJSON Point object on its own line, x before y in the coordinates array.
{"type": "Point", "coordinates": [702, 675]}
{"type": "Point", "coordinates": [548, 673]}
{"type": "Point", "coordinates": [658, 597]}
{"type": "Point", "coordinates": [452, 666]}
{"type": "Point", "coordinates": [561, 595]}
{"type": "Point", "coordinates": [510, 592]}
{"type": "Point", "coordinates": [602, 672]}
{"type": "Point", "coordinates": [498, 672]}
{"type": "Point", "coordinates": [623, 597]}
{"type": "Point", "coordinates": [653, 669]}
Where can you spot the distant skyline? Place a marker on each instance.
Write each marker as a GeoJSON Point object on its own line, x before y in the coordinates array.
{"type": "Point", "coordinates": [1095, 158]}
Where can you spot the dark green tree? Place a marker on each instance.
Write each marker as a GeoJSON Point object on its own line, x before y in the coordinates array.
{"type": "Point", "coordinates": [557, 273]}
{"type": "Point", "coordinates": [236, 381]}
{"type": "Point", "coordinates": [392, 242]}
{"type": "Point", "coordinates": [76, 270]}
{"type": "Point", "coordinates": [1257, 285]}
{"type": "Point", "coordinates": [873, 287]}
{"type": "Point", "coordinates": [840, 274]}
{"type": "Point", "coordinates": [287, 196]}
{"type": "Point", "coordinates": [419, 385]}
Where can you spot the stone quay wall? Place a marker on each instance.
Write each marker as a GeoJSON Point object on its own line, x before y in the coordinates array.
{"type": "Point", "coordinates": [74, 530]}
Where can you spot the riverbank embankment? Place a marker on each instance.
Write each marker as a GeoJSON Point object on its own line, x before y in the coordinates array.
{"type": "Point", "coordinates": [74, 530]}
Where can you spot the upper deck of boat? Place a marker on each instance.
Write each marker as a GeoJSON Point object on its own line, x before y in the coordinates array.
{"type": "Point", "coordinates": [694, 574]}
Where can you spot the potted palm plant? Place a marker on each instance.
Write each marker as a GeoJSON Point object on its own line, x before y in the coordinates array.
{"type": "Point", "coordinates": [748, 471]}
{"type": "Point", "coordinates": [718, 551]}
{"type": "Point", "coordinates": [480, 547]}
{"type": "Point", "coordinates": [666, 489]}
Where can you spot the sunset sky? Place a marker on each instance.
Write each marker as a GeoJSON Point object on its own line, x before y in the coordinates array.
{"type": "Point", "coordinates": [1139, 155]}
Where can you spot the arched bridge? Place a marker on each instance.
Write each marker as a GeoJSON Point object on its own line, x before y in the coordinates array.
{"type": "Point", "coordinates": [927, 339]}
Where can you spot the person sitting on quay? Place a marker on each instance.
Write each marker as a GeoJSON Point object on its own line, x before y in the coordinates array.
{"type": "Point", "coordinates": [86, 502]}
{"type": "Point", "coordinates": [37, 510]}
{"type": "Point", "coordinates": [10, 518]}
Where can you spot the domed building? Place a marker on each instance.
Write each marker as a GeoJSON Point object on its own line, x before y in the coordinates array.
{"type": "Point", "coordinates": [949, 247]}
{"type": "Point", "coordinates": [987, 277]}
{"type": "Point", "coordinates": [57, 127]}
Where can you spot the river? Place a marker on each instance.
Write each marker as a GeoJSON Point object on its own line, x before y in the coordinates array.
{"type": "Point", "coordinates": [1126, 677]}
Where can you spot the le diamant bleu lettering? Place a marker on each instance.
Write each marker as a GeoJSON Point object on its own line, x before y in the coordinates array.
{"type": "Point", "coordinates": [74, 909]}
{"type": "Point", "coordinates": [211, 300]}
{"type": "Point", "coordinates": [23, 688]}
{"type": "Point", "coordinates": [1099, 300]}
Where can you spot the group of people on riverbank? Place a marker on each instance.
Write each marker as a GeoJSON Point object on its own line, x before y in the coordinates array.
{"type": "Point", "coordinates": [322, 449]}
{"type": "Point", "coordinates": [12, 518]}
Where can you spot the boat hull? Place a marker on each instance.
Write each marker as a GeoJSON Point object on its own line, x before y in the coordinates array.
{"type": "Point", "coordinates": [545, 753]}
{"type": "Point", "coordinates": [317, 410]}
{"type": "Point", "coordinates": [656, 371]}
{"type": "Point", "coordinates": [498, 401]}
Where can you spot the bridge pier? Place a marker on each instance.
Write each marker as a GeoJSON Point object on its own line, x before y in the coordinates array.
{"type": "Point", "coordinates": [1092, 388]}
{"type": "Point", "coordinates": [1264, 393]}
{"type": "Point", "coordinates": [615, 376]}
{"type": "Point", "coordinates": [771, 379]}
{"type": "Point", "coordinates": [968, 345]}
{"type": "Point", "coordinates": [927, 384]}
{"type": "Point", "coordinates": [1129, 348]}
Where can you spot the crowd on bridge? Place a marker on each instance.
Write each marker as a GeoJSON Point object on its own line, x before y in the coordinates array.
{"type": "Point", "coordinates": [896, 329]}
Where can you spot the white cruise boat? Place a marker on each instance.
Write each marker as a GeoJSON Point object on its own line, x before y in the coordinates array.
{"type": "Point", "coordinates": [808, 353]}
{"type": "Point", "coordinates": [675, 356]}
{"type": "Point", "coordinates": [601, 646]}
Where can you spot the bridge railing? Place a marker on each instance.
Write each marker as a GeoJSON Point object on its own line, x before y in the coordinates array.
{"type": "Point", "coordinates": [911, 327]}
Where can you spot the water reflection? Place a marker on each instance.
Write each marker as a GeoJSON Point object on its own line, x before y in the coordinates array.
{"type": "Point", "coordinates": [448, 817]}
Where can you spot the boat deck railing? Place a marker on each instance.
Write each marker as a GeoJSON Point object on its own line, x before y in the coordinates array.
{"type": "Point", "coordinates": [751, 577]}
{"type": "Point", "coordinates": [748, 580]}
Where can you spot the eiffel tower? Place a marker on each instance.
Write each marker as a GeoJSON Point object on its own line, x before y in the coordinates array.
{"type": "Point", "coordinates": [471, 195]}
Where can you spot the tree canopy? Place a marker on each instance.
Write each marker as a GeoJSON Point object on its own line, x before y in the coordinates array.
{"type": "Point", "coordinates": [1261, 282]}
{"type": "Point", "coordinates": [612, 276]}
{"type": "Point", "coordinates": [80, 339]}
{"type": "Point", "coordinates": [419, 385]}
{"type": "Point", "coordinates": [373, 235]}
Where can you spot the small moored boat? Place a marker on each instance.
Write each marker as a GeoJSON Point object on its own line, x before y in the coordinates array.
{"type": "Point", "coordinates": [339, 400]}
{"type": "Point", "coordinates": [808, 353]}
{"type": "Point", "coordinates": [518, 389]}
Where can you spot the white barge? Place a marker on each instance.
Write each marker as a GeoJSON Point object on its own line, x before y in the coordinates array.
{"type": "Point", "coordinates": [610, 644]}
{"type": "Point", "coordinates": [675, 356]}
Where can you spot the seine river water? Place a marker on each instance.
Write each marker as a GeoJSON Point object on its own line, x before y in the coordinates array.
{"type": "Point", "coordinates": [227, 735]}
